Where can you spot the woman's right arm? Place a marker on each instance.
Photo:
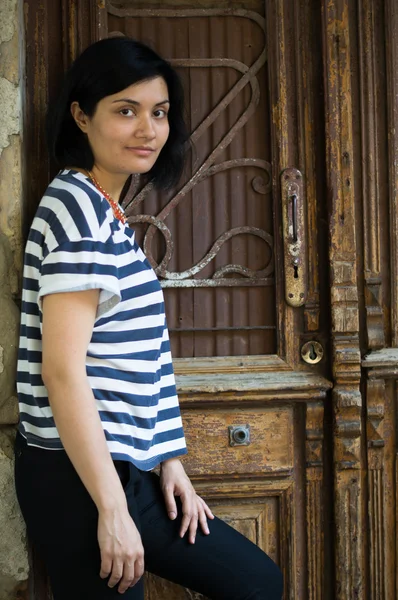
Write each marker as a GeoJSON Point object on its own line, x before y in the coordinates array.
{"type": "Point", "coordinates": [68, 320]}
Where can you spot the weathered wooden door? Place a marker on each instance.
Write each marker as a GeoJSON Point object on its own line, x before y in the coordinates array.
{"type": "Point", "coordinates": [238, 247]}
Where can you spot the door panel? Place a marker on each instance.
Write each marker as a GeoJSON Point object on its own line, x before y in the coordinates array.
{"type": "Point", "coordinates": [216, 244]}
{"type": "Point", "coordinates": [256, 511]}
{"type": "Point", "coordinates": [216, 260]}
{"type": "Point", "coordinates": [269, 450]}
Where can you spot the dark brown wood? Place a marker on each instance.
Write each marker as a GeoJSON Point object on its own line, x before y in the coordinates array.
{"type": "Point", "coordinates": [277, 490]}
{"type": "Point", "coordinates": [347, 401]}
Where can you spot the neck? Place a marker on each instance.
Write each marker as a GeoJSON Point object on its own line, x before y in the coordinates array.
{"type": "Point", "coordinates": [111, 182]}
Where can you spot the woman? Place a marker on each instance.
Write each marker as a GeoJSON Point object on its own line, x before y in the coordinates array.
{"type": "Point", "coordinates": [95, 381]}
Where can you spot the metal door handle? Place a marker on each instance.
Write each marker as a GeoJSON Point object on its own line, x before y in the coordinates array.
{"type": "Point", "coordinates": [294, 241]}
{"type": "Point", "coordinates": [239, 435]}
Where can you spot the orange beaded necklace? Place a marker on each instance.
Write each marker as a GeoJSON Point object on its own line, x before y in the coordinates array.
{"type": "Point", "coordinates": [117, 211]}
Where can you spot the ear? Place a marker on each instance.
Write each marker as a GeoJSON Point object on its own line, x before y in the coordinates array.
{"type": "Point", "coordinates": [80, 117]}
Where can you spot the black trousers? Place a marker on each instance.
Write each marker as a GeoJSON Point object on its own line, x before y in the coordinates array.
{"type": "Point", "coordinates": [62, 520]}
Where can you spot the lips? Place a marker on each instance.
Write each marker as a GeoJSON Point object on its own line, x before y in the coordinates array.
{"type": "Point", "coordinates": [141, 150]}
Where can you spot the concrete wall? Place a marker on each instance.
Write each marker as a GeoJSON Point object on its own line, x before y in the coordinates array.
{"type": "Point", "coordinates": [13, 555]}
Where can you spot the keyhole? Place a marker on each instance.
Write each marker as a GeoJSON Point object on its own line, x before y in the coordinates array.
{"type": "Point", "coordinates": [295, 267]}
{"type": "Point", "coordinates": [313, 354]}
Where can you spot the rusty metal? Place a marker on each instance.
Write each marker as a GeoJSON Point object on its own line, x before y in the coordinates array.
{"type": "Point", "coordinates": [267, 270]}
{"type": "Point", "coordinates": [208, 168]}
{"type": "Point", "coordinates": [227, 139]}
{"type": "Point", "coordinates": [295, 253]}
{"type": "Point", "coordinates": [239, 435]}
{"type": "Point", "coordinates": [224, 277]}
{"type": "Point", "coordinates": [222, 282]}
{"type": "Point", "coordinates": [201, 173]}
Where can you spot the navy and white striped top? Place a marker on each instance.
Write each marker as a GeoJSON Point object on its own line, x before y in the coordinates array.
{"type": "Point", "coordinates": [74, 244]}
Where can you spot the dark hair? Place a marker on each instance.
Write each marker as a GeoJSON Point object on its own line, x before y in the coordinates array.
{"type": "Point", "coordinates": [105, 68]}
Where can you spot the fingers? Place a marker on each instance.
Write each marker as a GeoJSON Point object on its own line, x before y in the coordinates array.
{"type": "Point", "coordinates": [132, 573]}
{"type": "Point", "coordinates": [117, 573]}
{"type": "Point", "coordinates": [203, 522]}
{"type": "Point", "coordinates": [106, 566]}
{"type": "Point", "coordinates": [195, 510]}
{"type": "Point", "coordinates": [193, 526]}
{"type": "Point", "coordinates": [186, 519]}
{"type": "Point", "coordinates": [207, 510]}
{"type": "Point", "coordinates": [125, 574]}
{"type": "Point", "coordinates": [170, 502]}
{"type": "Point", "coordinates": [139, 571]}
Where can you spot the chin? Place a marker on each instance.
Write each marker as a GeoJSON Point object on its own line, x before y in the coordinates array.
{"type": "Point", "coordinates": [140, 168]}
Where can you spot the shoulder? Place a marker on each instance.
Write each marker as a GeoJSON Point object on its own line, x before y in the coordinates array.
{"type": "Point", "coordinates": [72, 208]}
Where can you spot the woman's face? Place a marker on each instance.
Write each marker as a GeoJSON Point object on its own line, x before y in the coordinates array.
{"type": "Point", "coordinates": [128, 129]}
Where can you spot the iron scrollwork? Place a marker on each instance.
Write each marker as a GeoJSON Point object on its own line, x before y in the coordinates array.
{"type": "Point", "coordinates": [244, 276]}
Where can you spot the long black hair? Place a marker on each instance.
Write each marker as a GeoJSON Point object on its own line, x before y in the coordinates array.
{"type": "Point", "coordinates": [105, 68]}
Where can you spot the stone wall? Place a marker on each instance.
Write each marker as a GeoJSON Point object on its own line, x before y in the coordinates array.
{"type": "Point", "coordinates": [13, 555]}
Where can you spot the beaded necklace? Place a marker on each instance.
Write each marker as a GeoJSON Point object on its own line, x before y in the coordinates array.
{"type": "Point", "coordinates": [118, 213]}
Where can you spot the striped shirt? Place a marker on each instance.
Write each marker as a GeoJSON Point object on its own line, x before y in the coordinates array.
{"type": "Point", "coordinates": [75, 243]}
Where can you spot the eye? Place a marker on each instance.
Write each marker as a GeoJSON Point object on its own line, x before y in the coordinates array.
{"type": "Point", "coordinates": [127, 112]}
{"type": "Point", "coordinates": [160, 113]}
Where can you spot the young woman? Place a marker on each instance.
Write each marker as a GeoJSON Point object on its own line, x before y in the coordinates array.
{"type": "Point", "coordinates": [96, 387]}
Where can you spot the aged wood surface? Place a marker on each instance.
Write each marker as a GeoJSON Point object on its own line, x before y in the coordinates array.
{"type": "Point", "coordinates": [382, 363]}
{"type": "Point", "coordinates": [271, 382]}
{"type": "Point", "coordinates": [391, 20]}
{"type": "Point", "coordinates": [314, 500]}
{"type": "Point", "coordinates": [270, 451]}
{"type": "Point", "coordinates": [347, 401]}
{"type": "Point", "coordinates": [278, 497]}
{"type": "Point", "coordinates": [386, 357]}
{"type": "Point", "coordinates": [375, 416]}
{"type": "Point", "coordinates": [308, 77]}
{"type": "Point", "coordinates": [230, 364]}
{"type": "Point", "coordinates": [371, 75]}
{"type": "Point", "coordinates": [284, 147]}
{"type": "Point", "coordinates": [381, 439]}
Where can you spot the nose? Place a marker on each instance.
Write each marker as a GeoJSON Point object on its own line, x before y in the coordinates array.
{"type": "Point", "coordinates": [145, 127]}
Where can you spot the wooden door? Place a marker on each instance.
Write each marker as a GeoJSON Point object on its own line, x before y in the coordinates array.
{"type": "Point", "coordinates": [253, 409]}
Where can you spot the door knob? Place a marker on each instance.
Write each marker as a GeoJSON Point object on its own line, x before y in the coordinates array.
{"type": "Point", "coordinates": [239, 435]}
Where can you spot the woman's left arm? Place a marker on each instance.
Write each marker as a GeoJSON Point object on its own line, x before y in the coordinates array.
{"type": "Point", "coordinates": [175, 482]}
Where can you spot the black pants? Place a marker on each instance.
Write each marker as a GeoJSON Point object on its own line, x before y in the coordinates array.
{"type": "Point", "coordinates": [62, 520]}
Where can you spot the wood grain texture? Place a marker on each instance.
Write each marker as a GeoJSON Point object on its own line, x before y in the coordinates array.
{"type": "Point", "coordinates": [314, 501]}
{"type": "Point", "coordinates": [391, 20]}
{"type": "Point", "coordinates": [270, 450]}
{"type": "Point", "coordinates": [308, 78]}
{"type": "Point", "coordinates": [375, 399]}
{"type": "Point", "coordinates": [372, 105]}
{"type": "Point", "coordinates": [347, 401]}
{"type": "Point", "coordinates": [271, 382]}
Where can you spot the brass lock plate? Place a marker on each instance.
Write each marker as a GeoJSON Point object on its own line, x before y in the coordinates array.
{"type": "Point", "coordinates": [312, 352]}
{"type": "Point", "coordinates": [294, 240]}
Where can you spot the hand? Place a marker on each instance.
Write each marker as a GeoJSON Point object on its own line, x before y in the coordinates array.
{"type": "Point", "coordinates": [122, 553]}
{"type": "Point", "coordinates": [175, 482]}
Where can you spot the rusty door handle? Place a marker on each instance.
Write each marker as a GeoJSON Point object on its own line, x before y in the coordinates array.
{"type": "Point", "coordinates": [239, 435]}
{"type": "Point", "coordinates": [294, 241]}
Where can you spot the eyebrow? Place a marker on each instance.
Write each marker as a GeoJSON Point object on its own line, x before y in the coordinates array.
{"type": "Point", "coordinates": [129, 101]}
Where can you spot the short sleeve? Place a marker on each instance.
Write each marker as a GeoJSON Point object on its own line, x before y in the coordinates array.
{"type": "Point", "coordinates": [81, 265]}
